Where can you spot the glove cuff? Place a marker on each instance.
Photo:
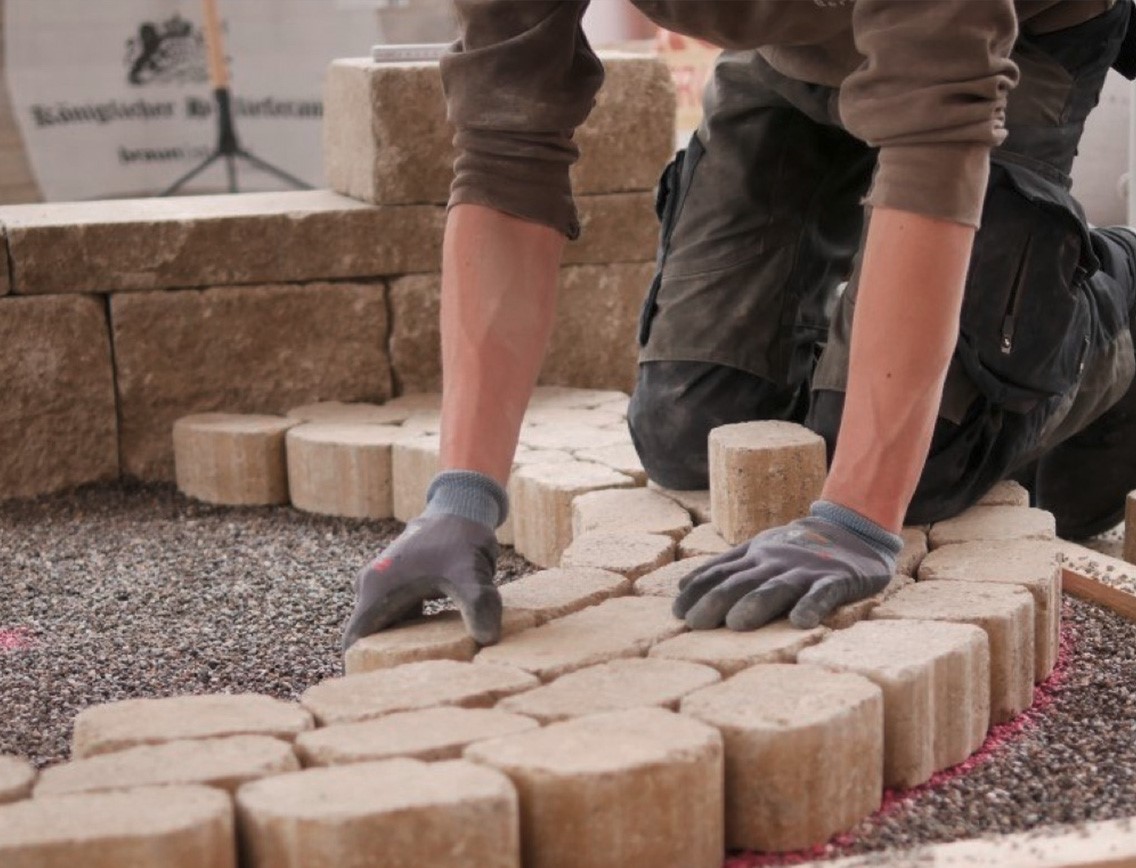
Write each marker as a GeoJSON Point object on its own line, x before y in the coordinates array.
{"type": "Point", "coordinates": [879, 538]}
{"type": "Point", "coordinates": [470, 495]}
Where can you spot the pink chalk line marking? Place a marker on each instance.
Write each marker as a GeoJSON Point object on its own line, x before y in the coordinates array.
{"type": "Point", "coordinates": [895, 800]}
{"type": "Point", "coordinates": [15, 639]}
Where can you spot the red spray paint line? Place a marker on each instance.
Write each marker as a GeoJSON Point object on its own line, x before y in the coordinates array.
{"type": "Point", "coordinates": [15, 639]}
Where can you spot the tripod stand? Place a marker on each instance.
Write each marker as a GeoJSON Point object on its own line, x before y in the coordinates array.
{"type": "Point", "coordinates": [228, 145]}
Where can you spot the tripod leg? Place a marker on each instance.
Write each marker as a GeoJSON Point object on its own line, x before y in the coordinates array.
{"type": "Point", "coordinates": [190, 175]}
{"type": "Point", "coordinates": [272, 170]}
{"type": "Point", "coordinates": [231, 171]}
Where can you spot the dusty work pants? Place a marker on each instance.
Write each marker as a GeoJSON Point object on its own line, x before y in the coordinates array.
{"type": "Point", "coordinates": [761, 224]}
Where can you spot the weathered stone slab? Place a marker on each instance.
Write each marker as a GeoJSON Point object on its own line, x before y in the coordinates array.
{"type": "Point", "coordinates": [845, 616]}
{"type": "Point", "coordinates": [993, 523]}
{"type": "Point", "coordinates": [622, 457]}
{"type": "Point", "coordinates": [120, 725]}
{"type": "Point", "coordinates": [804, 751]}
{"type": "Point", "coordinates": [16, 778]}
{"type": "Point", "coordinates": [430, 735]}
{"type": "Point", "coordinates": [704, 540]}
{"type": "Point", "coordinates": [1005, 493]}
{"type": "Point", "coordinates": [663, 582]}
{"type": "Point", "coordinates": [341, 469]}
{"type": "Point", "coordinates": [232, 459]}
{"type": "Point", "coordinates": [632, 510]}
{"type": "Point", "coordinates": [629, 554]}
{"type": "Point", "coordinates": [260, 349]}
{"type": "Point", "coordinates": [641, 787]}
{"type": "Point", "coordinates": [58, 426]}
{"type": "Point", "coordinates": [351, 413]}
{"type": "Point", "coordinates": [552, 594]}
{"type": "Point", "coordinates": [697, 503]}
{"type": "Point", "coordinates": [401, 811]}
{"type": "Point", "coordinates": [731, 651]}
{"type": "Point", "coordinates": [913, 551]}
{"type": "Point", "coordinates": [418, 402]}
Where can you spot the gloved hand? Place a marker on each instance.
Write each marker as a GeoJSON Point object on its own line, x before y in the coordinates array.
{"type": "Point", "coordinates": [807, 568]}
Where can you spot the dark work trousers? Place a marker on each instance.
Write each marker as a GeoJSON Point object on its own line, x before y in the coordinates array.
{"type": "Point", "coordinates": [761, 225]}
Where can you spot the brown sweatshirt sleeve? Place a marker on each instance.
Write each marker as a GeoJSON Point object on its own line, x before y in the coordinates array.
{"type": "Point", "coordinates": [518, 83]}
{"type": "Point", "coordinates": [932, 96]}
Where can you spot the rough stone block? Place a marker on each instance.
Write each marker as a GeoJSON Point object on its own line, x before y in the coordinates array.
{"type": "Point", "coordinates": [522, 457]}
{"type": "Point", "coordinates": [430, 735]}
{"type": "Point", "coordinates": [120, 725]}
{"type": "Point", "coordinates": [622, 457]}
{"type": "Point", "coordinates": [58, 426]}
{"type": "Point", "coordinates": [16, 778]}
{"type": "Point", "coordinates": [399, 813]}
{"type": "Point", "coordinates": [730, 651]}
{"type": "Point", "coordinates": [1031, 564]}
{"type": "Point", "coordinates": [1005, 493]}
{"type": "Point", "coordinates": [763, 475]}
{"type": "Point", "coordinates": [225, 763]}
{"type": "Point", "coordinates": [663, 582]}
{"type": "Point", "coordinates": [935, 679]}
{"type": "Point", "coordinates": [414, 686]}
{"type": "Point", "coordinates": [913, 551]}
{"type": "Point", "coordinates": [993, 523]}
{"type": "Point", "coordinates": [232, 459]}
{"type": "Point", "coordinates": [617, 628]}
{"type": "Point", "coordinates": [703, 540]}
{"type": "Point", "coordinates": [357, 413]}
{"type": "Point", "coordinates": [1004, 612]}
{"type": "Point", "coordinates": [632, 510]}
{"type": "Point", "coordinates": [336, 469]}
{"type": "Point", "coordinates": [552, 594]}
{"type": "Point", "coordinates": [175, 827]}
{"type": "Point", "coordinates": [260, 349]}
{"type": "Point", "coordinates": [417, 402]}
{"type": "Point", "coordinates": [640, 787]}
{"type": "Point", "coordinates": [697, 503]}
{"type": "Point", "coordinates": [629, 554]}
{"type": "Point", "coordinates": [415, 461]}
{"type": "Point", "coordinates": [845, 616]}
{"type": "Point", "coordinates": [804, 752]}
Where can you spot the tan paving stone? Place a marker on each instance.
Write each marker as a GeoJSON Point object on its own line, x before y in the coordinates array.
{"type": "Point", "coordinates": [622, 457]}
{"type": "Point", "coordinates": [232, 459]}
{"type": "Point", "coordinates": [574, 397]}
{"type": "Point", "coordinates": [551, 594]}
{"type": "Point", "coordinates": [414, 686]}
{"type": "Point", "coordinates": [415, 461]}
{"type": "Point", "coordinates": [1005, 493]}
{"type": "Point", "coordinates": [174, 827]}
{"type": "Point", "coordinates": [640, 787]}
{"type": "Point", "coordinates": [763, 475]}
{"type": "Point", "coordinates": [430, 734]}
{"type": "Point", "coordinates": [913, 551]}
{"type": "Point", "coordinates": [629, 554]}
{"type": "Point", "coordinates": [352, 413]}
{"type": "Point", "coordinates": [935, 679]}
{"type": "Point", "coordinates": [845, 616]}
{"type": "Point", "coordinates": [663, 582]}
{"type": "Point", "coordinates": [572, 438]}
{"type": "Point", "coordinates": [1031, 564]}
{"type": "Point", "coordinates": [703, 540]}
{"type": "Point", "coordinates": [399, 813]}
{"type": "Point", "coordinates": [131, 722]}
{"type": "Point", "coordinates": [616, 628]}
{"type": "Point", "coordinates": [225, 763]}
{"type": "Point", "coordinates": [591, 417]}
{"type": "Point", "coordinates": [992, 523]}
{"type": "Point", "coordinates": [417, 402]}
{"type": "Point", "coordinates": [342, 469]}
{"type": "Point", "coordinates": [804, 753]}
{"type": "Point", "coordinates": [731, 651]}
{"type": "Point", "coordinates": [1004, 612]}
{"type": "Point", "coordinates": [697, 503]}
{"type": "Point", "coordinates": [521, 458]}
{"type": "Point", "coordinates": [632, 510]}
{"type": "Point", "coordinates": [16, 778]}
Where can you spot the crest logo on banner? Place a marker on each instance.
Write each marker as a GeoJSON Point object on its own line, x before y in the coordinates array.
{"type": "Point", "coordinates": [172, 51]}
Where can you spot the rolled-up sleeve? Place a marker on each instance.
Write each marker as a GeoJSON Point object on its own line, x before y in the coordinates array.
{"type": "Point", "coordinates": [931, 95]}
{"type": "Point", "coordinates": [518, 83]}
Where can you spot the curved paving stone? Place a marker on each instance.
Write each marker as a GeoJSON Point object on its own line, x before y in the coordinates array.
{"type": "Point", "coordinates": [993, 523]}
{"type": "Point", "coordinates": [632, 510]}
{"type": "Point", "coordinates": [573, 437]}
{"type": "Point", "coordinates": [703, 540]}
{"type": "Point", "coordinates": [576, 416]}
{"type": "Point", "coordinates": [551, 594]}
{"type": "Point", "coordinates": [232, 459]}
{"type": "Point", "coordinates": [522, 457]}
{"type": "Point", "coordinates": [913, 551]}
{"type": "Point", "coordinates": [414, 462]}
{"type": "Point", "coordinates": [663, 582]}
{"type": "Point", "coordinates": [629, 554]}
{"type": "Point", "coordinates": [351, 413]}
{"type": "Point", "coordinates": [341, 469]}
{"type": "Point", "coordinates": [17, 776]}
{"type": "Point", "coordinates": [731, 651]}
{"type": "Point", "coordinates": [845, 616]}
{"type": "Point", "coordinates": [622, 457]}
{"type": "Point", "coordinates": [696, 502]}
{"type": "Point", "coordinates": [1005, 493]}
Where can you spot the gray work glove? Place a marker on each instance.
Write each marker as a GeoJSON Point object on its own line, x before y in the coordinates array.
{"type": "Point", "coordinates": [807, 568]}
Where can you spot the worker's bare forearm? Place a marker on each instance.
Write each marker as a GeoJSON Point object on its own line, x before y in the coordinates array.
{"type": "Point", "coordinates": [903, 334]}
{"type": "Point", "coordinates": [498, 300]}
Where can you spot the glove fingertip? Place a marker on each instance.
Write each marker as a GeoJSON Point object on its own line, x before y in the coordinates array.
{"type": "Point", "coordinates": [806, 617]}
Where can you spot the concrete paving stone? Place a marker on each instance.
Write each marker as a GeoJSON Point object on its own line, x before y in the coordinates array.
{"type": "Point", "coordinates": [1004, 612]}
{"type": "Point", "coordinates": [57, 408]}
{"type": "Point", "coordinates": [614, 629]}
{"type": "Point", "coordinates": [845, 616]}
{"type": "Point", "coordinates": [763, 475]}
{"type": "Point", "coordinates": [129, 723]}
{"type": "Point", "coordinates": [992, 523]}
{"type": "Point", "coordinates": [731, 651]}
{"type": "Point", "coordinates": [399, 813]}
{"type": "Point", "coordinates": [522, 457]}
{"type": "Point", "coordinates": [629, 554]}
{"type": "Point", "coordinates": [353, 413]}
{"type": "Point", "coordinates": [1031, 564]}
{"type": "Point", "coordinates": [541, 504]}
{"type": "Point", "coordinates": [632, 510]}
{"type": "Point", "coordinates": [572, 438]}
{"type": "Point", "coordinates": [415, 461]}
{"type": "Point", "coordinates": [252, 349]}
{"type": "Point", "coordinates": [635, 682]}
{"type": "Point", "coordinates": [538, 415]}
{"type": "Point", "coordinates": [430, 735]}
{"type": "Point", "coordinates": [640, 787]}
{"type": "Point", "coordinates": [232, 459]}
{"type": "Point", "coordinates": [414, 686]}
{"type": "Point", "coordinates": [424, 422]}
{"type": "Point", "coordinates": [697, 503]}
{"type": "Point", "coordinates": [174, 827]}
{"type": "Point", "coordinates": [913, 551]}
{"type": "Point", "coordinates": [574, 397]}
{"type": "Point", "coordinates": [622, 457]}
{"type": "Point", "coordinates": [663, 582]}
{"type": "Point", "coordinates": [17, 776]}
{"type": "Point", "coordinates": [703, 540]}
{"type": "Point", "coordinates": [342, 469]}
{"type": "Point", "coordinates": [417, 402]}
{"type": "Point", "coordinates": [804, 752]}
{"type": "Point", "coordinates": [551, 594]}
{"type": "Point", "coordinates": [935, 679]}
{"type": "Point", "coordinates": [225, 763]}
{"type": "Point", "coordinates": [1005, 493]}
{"type": "Point", "coordinates": [617, 403]}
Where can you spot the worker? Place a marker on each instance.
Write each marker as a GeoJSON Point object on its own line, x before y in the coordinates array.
{"type": "Point", "coordinates": [921, 152]}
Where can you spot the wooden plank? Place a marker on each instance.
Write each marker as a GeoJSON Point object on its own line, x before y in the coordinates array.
{"type": "Point", "coordinates": [1087, 588]}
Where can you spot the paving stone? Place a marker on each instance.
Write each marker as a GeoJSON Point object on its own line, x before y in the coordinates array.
{"type": "Point", "coordinates": [663, 582]}
{"type": "Point", "coordinates": [731, 651]}
{"type": "Point", "coordinates": [399, 813]}
{"type": "Point", "coordinates": [342, 469]}
{"type": "Point", "coordinates": [629, 554]}
{"type": "Point", "coordinates": [804, 753]}
{"type": "Point", "coordinates": [572, 438]}
{"type": "Point", "coordinates": [935, 679]}
{"type": "Point", "coordinates": [632, 510]}
{"type": "Point", "coordinates": [614, 629]}
{"type": "Point", "coordinates": [58, 426]}
{"type": "Point", "coordinates": [1004, 612]}
{"type": "Point", "coordinates": [622, 457]}
{"type": "Point", "coordinates": [551, 594]}
{"type": "Point", "coordinates": [1031, 564]}
{"type": "Point", "coordinates": [16, 778]}
{"type": "Point", "coordinates": [542, 496]}
{"type": "Point", "coordinates": [120, 725]}
{"type": "Point", "coordinates": [640, 787]}
{"type": "Point", "coordinates": [703, 540]}
{"type": "Point", "coordinates": [591, 417]}
{"type": "Point", "coordinates": [417, 402]}
{"type": "Point", "coordinates": [174, 827]}
{"type": "Point", "coordinates": [697, 503]}
{"type": "Point", "coordinates": [232, 459]}
{"type": "Point", "coordinates": [913, 551]}
{"type": "Point", "coordinates": [414, 686]}
{"type": "Point", "coordinates": [522, 457]}
{"type": "Point", "coordinates": [992, 523]}
{"type": "Point", "coordinates": [845, 616]}
{"type": "Point", "coordinates": [1005, 493]}
{"type": "Point", "coordinates": [254, 349]}
{"type": "Point", "coordinates": [574, 397]}
{"type": "Point", "coordinates": [353, 413]}
{"type": "Point", "coordinates": [415, 461]}
{"type": "Point", "coordinates": [763, 475]}
{"type": "Point", "coordinates": [225, 763]}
